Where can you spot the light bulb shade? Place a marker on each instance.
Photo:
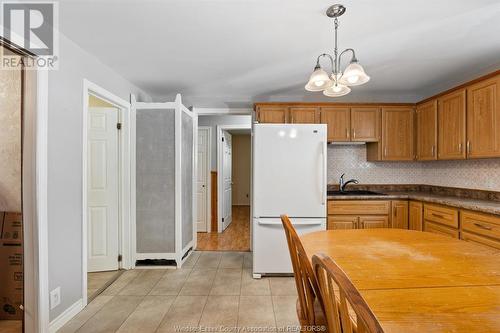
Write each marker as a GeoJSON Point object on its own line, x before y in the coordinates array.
{"type": "Point", "coordinates": [318, 81]}
{"type": "Point", "coordinates": [354, 75]}
{"type": "Point", "coordinates": [337, 90]}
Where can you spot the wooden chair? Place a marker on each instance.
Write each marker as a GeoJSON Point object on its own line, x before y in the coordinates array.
{"type": "Point", "coordinates": [346, 310]}
{"type": "Point", "coordinates": [309, 304]}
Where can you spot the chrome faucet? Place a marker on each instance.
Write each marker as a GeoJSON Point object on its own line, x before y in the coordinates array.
{"type": "Point", "coordinates": [343, 184]}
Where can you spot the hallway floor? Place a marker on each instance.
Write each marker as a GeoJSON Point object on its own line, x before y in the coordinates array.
{"type": "Point", "coordinates": [213, 290]}
{"type": "Point", "coordinates": [236, 237]}
{"type": "Point", "coordinates": [97, 281]}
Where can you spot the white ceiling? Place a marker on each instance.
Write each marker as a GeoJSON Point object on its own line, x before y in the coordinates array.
{"type": "Point", "coordinates": [229, 53]}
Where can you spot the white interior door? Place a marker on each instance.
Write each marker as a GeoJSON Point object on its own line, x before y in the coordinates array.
{"type": "Point", "coordinates": [202, 181]}
{"type": "Point", "coordinates": [102, 187]}
{"type": "Point", "coordinates": [227, 194]}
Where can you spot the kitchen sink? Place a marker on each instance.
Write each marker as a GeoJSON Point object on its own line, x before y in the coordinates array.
{"type": "Point", "coordinates": [354, 192]}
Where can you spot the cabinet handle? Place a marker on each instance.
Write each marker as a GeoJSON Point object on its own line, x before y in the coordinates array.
{"type": "Point", "coordinates": [385, 151]}
{"type": "Point", "coordinates": [347, 132]}
{"type": "Point", "coordinates": [468, 147]}
{"type": "Point", "coordinates": [354, 133]}
{"type": "Point", "coordinates": [438, 215]}
{"type": "Point", "coordinates": [395, 212]}
{"type": "Point", "coordinates": [482, 226]}
{"type": "Point", "coordinates": [433, 150]}
{"type": "Point", "coordinates": [460, 147]}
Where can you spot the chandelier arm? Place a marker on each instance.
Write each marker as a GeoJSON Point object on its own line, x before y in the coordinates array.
{"type": "Point", "coordinates": [328, 56]}
{"type": "Point", "coordinates": [353, 59]}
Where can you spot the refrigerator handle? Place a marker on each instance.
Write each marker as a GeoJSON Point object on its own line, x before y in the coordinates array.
{"type": "Point", "coordinates": [323, 173]}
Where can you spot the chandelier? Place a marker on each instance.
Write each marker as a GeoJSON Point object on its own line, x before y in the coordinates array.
{"type": "Point", "coordinates": [338, 82]}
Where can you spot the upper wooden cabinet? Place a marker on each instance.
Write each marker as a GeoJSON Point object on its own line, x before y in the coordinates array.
{"type": "Point", "coordinates": [338, 120]}
{"type": "Point", "coordinates": [365, 124]}
{"type": "Point", "coordinates": [397, 135]}
{"type": "Point", "coordinates": [303, 115]}
{"type": "Point", "coordinates": [427, 132]}
{"type": "Point", "coordinates": [272, 114]}
{"type": "Point", "coordinates": [483, 118]}
{"type": "Point", "coordinates": [451, 126]}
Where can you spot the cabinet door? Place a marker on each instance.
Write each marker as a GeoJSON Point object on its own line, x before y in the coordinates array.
{"type": "Point", "coordinates": [365, 124]}
{"type": "Point", "coordinates": [399, 218]}
{"type": "Point", "coordinates": [416, 215]}
{"type": "Point", "coordinates": [371, 222]}
{"type": "Point", "coordinates": [440, 229]}
{"type": "Point", "coordinates": [451, 120]}
{"type": "Point", "coordinates": [397, 134]}
{"type": "Point", "coordinates": [342, 222]}
{"type": "Point", "coordinates": [339, 123]}
{"type": "Point", "coordinates": [272, 114]}
{"type": "Point", "coordinates": [427, 131]}
{"type": "Point", "coordinates": [483, 119]}
{"type": "Point", "coordinates": [303, 115]}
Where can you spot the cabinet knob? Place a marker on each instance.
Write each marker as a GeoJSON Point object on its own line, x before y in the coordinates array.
{"type": "Point", "coordinates": [468, 147]}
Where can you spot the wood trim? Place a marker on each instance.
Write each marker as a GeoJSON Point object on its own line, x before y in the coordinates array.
{"type": "Point", "coordinates": [213, 201]}
{"type": "Point", "coordinates": [329, 104]}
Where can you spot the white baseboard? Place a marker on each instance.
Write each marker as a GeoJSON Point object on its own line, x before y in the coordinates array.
{"type": "Point", "coordinates": [66, 316]}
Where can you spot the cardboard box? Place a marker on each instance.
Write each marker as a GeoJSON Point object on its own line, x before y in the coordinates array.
{"type": "Point", "coordinates": [11, 280]}
{"type": "Point", "coordinates": [11, 227]}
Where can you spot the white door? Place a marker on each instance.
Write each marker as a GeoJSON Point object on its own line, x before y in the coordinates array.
{"type": "Point", "coordinates": [102, 187]}
{"type": "Point", "coordinates": [227, 216]}
{"type": "Point", "coordinates": [202, 181]}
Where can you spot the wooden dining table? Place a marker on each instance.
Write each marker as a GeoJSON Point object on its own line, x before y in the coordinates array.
{"type": "Point", "coordinates": [417, 281]}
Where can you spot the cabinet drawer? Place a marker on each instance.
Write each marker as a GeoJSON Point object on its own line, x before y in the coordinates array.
{"type": "Point", "coordinates": [372, 222]}
{"type": "Point", "coordinates": [442, 215]}
{"type": "Point", "coordinates": [482, 224]}
{"type": "Point", "coordinates": [440, 229]}
{"type": "Point", "coordinates": [470, 237]}
{"type": "Point", "coordinates": [336, 222]}
{"type": "Point", "coordinates": [359, 207]}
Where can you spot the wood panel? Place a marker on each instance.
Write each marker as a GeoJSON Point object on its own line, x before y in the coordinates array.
{"type": "Point", "coordinates": [365, 124]}
{"type": "Point", "coordinates": [482, 224]}
{"type": "Point", "coordinates": [451, 126]}
{"type": "Point", "coordinates": [440, 229]}
{"type": "Point", "coordinates": [359, 207]}
{"type": "Point", "coordinates": [474, 238]}
{"type": "Point", "coordinates": [399, 216]}
{"type": "Point", "coordinates": [272, 114]}
{"type": "Point", "coordinates": [427, 132]}
{"type": "Point", "coordinates": [371, 222]}
{"type": "Point", "coordinates": [440, 214]}
{"type": "Point", "coordinates": [483, 119]}
{"type": "Point", "coordinates": [303, 115]}
{"type": "Point", "coordinates": [416, 215]}
{"type": "Point", "coordinates": [336, 222]}
{"type": "Point", "coordinates": [213, 201]}
{"type": "Point", "coordinates": [397, 134]}
{"type": "Point", "coordinates": [338, 121]}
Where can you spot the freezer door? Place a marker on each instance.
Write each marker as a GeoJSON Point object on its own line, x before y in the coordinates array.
{"type": "Point", "coordinates": [270, 252]}
{"type": "Point", "coordinates": [289, 170]}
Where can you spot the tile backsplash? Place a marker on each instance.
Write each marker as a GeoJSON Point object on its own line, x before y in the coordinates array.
{"type": "Point", "coordinates": [481, 174]}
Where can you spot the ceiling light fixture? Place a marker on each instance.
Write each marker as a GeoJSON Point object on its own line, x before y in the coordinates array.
{"type": "Point", "coordinates": [337, 84]}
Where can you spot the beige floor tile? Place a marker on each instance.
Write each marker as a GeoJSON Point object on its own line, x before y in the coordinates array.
{"type": "Point", "coordinates": [112, 315]}
{"type": "Point", "coordinates": [171, 283]}
{"type": "Point", "coordinates": [283, 286]}
{"type": "Point", "coordinates": [191, 261]}
{"type": "Point", "coordinates": [208, 259]}
{"type": "Point", "coordinates": [220, 312]}
{"type": "Point", "coordinates": [285, 311]}
{"type": "Point", "coordinates": [121, 282]}
{"type": "Point", "coordinates": [227, 282]}
{"type": "Point", "coordinates": [143, 283]}
{"type": "Point", "coordinates": [185, 312]}
{"type": "Point", "coordinates": [83, 316]}
{"type": "Point", "coordinates": [199, 282]}
{"type": "Point", "coordinates": [148, 315]}
{"type": "Point", "coordinates": [251, 286]}
{"type": "Point", "coordinates": [248, 260]}
{"type": "Point", "coordinates": [256, 311]}
{"type": "Point", "coordinates": [232, 260]}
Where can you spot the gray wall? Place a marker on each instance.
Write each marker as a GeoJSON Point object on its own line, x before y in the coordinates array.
{"type": "Point", "coordinates": [214, 121]}
{"type": "Point", "coordinates": [65, 163]}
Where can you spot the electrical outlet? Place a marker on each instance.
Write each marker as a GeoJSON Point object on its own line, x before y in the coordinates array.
{"type": "Point", "coordinates": [55, 297]}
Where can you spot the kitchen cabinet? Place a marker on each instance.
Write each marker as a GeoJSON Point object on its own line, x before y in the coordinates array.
{"type": "Point", "coordinates": [441, 219]}
{"type": "Point", "coordinates": [451, 126]}
{"type": "Point", "coordinates": [480, 228]}
{"type": "Point", "coordinates": [303, 115]}
{"type": "Point", "coordinates": [272, 114]}
{"type": "Point", "coordinates": [358, 214]}
{"type": "Point", "coordinates": [338, 120]}
{"type": "Point", "coordinates": [336, 222]}
{"type": "Point", "coordinates": [427, 132]}
{"type": "Point", "coordinates": [365, 124]}
{"type": "Point", "coordinates": [483, 118]}
{"type": "Point", "coordinates": [399, 217]}
{"type": "Point", "coordinates": [415, 215]}
{"type": "Point", "coordinates": [370, 222]}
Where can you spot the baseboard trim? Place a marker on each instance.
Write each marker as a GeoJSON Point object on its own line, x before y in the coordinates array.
{"type": "Point", "coordinates": [66, 316]}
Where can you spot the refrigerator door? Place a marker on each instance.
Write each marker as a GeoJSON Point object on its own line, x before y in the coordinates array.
{"type": "Point", "coordinates": [289, 170]}
{"type": "Point", "coordinates": [271, 253]}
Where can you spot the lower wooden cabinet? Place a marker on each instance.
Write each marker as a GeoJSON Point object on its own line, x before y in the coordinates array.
{"type": "Point", "coordinates": [480, 228]}
{"type": "Point", "coordinates": [399, 217]}
{"type": "Point", "coordinates": [440, 229]}
{"type": "Point", "coordinates": [416, 215]}
{"type": "Point", "coordinates": [441, 220]}
{"type": "Point", "coordinates": [358, 214]}
{"type": "Point", "coordinates": [370, 222]}
{"type": "Point", "coordinates": [336, 222]}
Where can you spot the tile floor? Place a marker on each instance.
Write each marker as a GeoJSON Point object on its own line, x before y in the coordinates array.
{"type": "Point", "coordinates": [213, 290]}
{"type": "Point", "coordinates": [96, 281]}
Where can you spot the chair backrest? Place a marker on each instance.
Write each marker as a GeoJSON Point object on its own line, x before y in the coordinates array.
{"type": "Point", "coordinates": [346, 310]}
{"type": "Point", "coordinates": [307, 286]}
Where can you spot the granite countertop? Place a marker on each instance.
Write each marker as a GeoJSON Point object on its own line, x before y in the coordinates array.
{"type": "Point", "coordinates": [485, 206]}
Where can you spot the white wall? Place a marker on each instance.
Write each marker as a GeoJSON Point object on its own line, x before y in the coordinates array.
{"type": "Point", "coordinates": [65, 163]}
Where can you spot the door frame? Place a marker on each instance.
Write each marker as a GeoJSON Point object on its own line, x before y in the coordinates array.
{"type": "Point", "coordinates": [208, 210]}
{"type": "Point", "coordinates": [125, 188]}
{"type": "Point", "coordinates": [220, 181]}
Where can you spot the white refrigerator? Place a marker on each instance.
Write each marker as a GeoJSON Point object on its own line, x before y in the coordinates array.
{"type": "Point", "coordinates": [288, 177]}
